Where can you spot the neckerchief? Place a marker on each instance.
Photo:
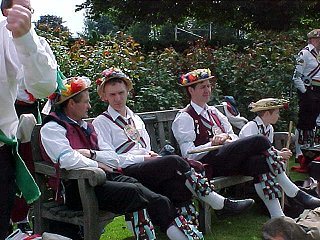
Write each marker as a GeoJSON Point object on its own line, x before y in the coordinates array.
{"type": "Point", "coordinates": [24, 180]}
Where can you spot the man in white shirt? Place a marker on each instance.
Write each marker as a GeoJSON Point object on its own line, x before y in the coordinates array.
{"type": "Point", "coordinates": [170, 175]}
{"type": "Point", "coordinates": [268, 113]}
{"type": "Point", "coordinates": [22, 58]}
{"type": "Point", "coordinates": [199, 126]}
{"type": "Point", "coordinates": [306, 79]}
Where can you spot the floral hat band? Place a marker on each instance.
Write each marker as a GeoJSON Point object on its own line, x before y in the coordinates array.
{"type": "Point", "coordinates": [196, 76]}
{"type": "Point", "coordinates": [268, 104]}
{"type": "Point", "coordinates": [73, 86]}
{"type": "Point", "coordinates": [109, 74]}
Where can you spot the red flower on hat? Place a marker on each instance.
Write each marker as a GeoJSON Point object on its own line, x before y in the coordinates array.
{"type": "Point", "coordinates": [192, 78]}
{"type": "Point", "coordinates": [77, 85]}
{"type": "Point", "coordinates": [286, 106]}
{"type": "Point", "coordinates": [99, 81]}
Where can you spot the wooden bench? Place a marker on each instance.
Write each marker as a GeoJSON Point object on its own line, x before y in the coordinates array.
{"type": "Point", "coordinates": [91, 218]}
{"type": "Point", "coordinates": [158, 125]}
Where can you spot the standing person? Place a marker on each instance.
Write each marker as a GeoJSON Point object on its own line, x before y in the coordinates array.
{"type": "Point", "coordinates": [199, 126]}
{"type": "Point", "coordinates": [268, 112]}
{"type": "Point", "coordinates": [27, 109]}
{"type": "Point", "coordinates": [22, 59]}
{"type": "Point", "coordinates": [306, 79]}
{"type": "Point", "coordinates": [72, 143]}
{"type": "Point", "coordinates": [168, 175]}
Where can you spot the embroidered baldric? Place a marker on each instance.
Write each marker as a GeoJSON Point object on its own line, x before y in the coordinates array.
{"type": "Point", "coordinates": [261, 129]}
{"type": "Point", "coordinates": [130, 131]}
{"type": "Point", "coordinates": [317, 69]}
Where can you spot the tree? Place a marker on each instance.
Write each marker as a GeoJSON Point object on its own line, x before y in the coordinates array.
{"type": "Point", "coordinates": [243, 15]}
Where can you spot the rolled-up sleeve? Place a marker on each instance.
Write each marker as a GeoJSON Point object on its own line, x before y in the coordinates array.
{"type": "Point", "coordinates": [39, 67]}
{"type": "Point", "coordinates": [57, 147]}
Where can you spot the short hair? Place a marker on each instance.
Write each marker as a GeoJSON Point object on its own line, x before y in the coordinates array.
{"type": "Point", "coordinates": [113, 81]}
{"type": "Point", "coordinates": [5, 4]}
{"type": "Point", "coordinates": [77, 98]}
{"type": "Point", "coordinates": [261, 113]}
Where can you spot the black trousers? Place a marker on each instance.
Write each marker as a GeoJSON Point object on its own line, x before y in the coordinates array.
{"type": "Point", "coordinates": [164, 175]}
{"type": "Point", "coordinates": [309, 108]}
{"type": "Point", "coordinates": [24, 108]}
{"type": "Point", "coordinates": [244, 156]}
{"type": "Point", "coordinates": [7, 188]}
{"type": "Point", "coordinates": [123, 194]}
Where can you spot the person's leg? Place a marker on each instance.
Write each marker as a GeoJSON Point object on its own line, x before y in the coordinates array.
{"type": "Point", "coordinates": [173, 177]}
{"type": "Point", "coordinates": [162, 212]}
{"type": "Point", "coordinates": [7, 188]}
{"type": "Point", "coordinates": [164, 175]}
{"type": "Point", "coordinates": [226, 160]}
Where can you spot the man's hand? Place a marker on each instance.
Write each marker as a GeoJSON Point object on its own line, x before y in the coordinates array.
{"type": "Point", "coordinates": [19, 18]}
{"type": "Point", "coordinates": [285, 153]}
{"type": "Point", "coordinates": [104, 167]}
{"type": "Point", "coordinates": [219, 139]}
{"type": "Point", "coordinates": [84, 152]}
{"type": "Point", "coordinates": [152, 155]}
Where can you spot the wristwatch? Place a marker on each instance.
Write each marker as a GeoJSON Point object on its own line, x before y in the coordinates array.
{"type": "Point", "coordinates": [93, 154]}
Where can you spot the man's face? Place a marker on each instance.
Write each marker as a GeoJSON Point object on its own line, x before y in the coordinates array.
{"type": "Point", "coordinates": [272, 117]}
{"type": "Point", "coordinates": [116, 95]}
{"type": "Point", "coordinates": [80, 109]}
{"type": "Point", "coordinates": [201, 93]}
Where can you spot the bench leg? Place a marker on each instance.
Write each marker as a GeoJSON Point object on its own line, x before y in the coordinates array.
{"type": "Point", "coordinates": [204, 217]}
{"type": "Point", "coordinates": [91, 226]}
{"type": "Point", "coordinates": [40, 224]}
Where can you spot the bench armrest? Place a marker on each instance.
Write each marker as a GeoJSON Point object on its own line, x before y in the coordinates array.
{"type": "Point", "coordinates": [95, 176]}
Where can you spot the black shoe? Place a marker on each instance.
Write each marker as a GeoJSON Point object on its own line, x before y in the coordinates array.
{"type": "Point", "coordinates": [307, 200]}
{"type": "Point", "coordinates": [234, 207]}
{"type": "Point", "coordinates": [25, 227]}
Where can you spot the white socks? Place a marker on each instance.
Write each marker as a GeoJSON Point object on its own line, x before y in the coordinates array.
{"type": "Point", "coordinates": [272, 205]}
{"type": "Point", "coordinates": [215, 200]}
{"type": "Point", "coordinates": [174, 233]}
{"type": "Point", "coordinates": [287, 185]}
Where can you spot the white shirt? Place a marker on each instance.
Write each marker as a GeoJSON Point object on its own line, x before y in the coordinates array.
{"type": "Point", "coordinates": [184, 132]}
{"type": "Point", "coordinates": [57, 146]}
{"type": "Point", "coordinates": [251, 128]}
{"type": "Point", "coordinates": [305, 63]}
{"type": "Point", "coordinates": [115, 136]}
{"type": "Point", "coordinates": [25, 61]}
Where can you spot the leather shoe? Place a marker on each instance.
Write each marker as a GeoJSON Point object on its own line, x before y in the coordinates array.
{"type": "Point", "coordinates": [307, 200]}
{"type": "Point", "coordinates": [234, 207]}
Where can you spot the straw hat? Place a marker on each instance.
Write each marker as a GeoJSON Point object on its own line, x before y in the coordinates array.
{"type": "Point", "coordinates": [73, 86]}
{"type": "Point", "coordinates": [196, 76]}
{"type": "Point", "coordinates": [268, 104]}
{"type": "Point", "coordinates": [109, 74]}
{"type": "Point", "coordinates": [315, 33]}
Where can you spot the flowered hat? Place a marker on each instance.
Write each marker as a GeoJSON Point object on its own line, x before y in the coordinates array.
{"type": "Point", "coordinates": [268, 104]}
{"type": "Point", "coordinates": [73, 86]}
{"type": "Point", "coordinates": [196, 76]}
{"type": "Point", "coordinates": [109, 74]}
{"type": "Point", "coordinates": [315, 33]}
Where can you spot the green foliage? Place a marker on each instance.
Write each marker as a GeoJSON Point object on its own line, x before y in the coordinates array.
{"type": "Point", "coordinates": [262, 68]}
{"type": "Point", "coordinates": [245, 15]}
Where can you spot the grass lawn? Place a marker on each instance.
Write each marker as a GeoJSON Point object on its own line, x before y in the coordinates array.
{"type": "Point", "coordinates": [243, 227]}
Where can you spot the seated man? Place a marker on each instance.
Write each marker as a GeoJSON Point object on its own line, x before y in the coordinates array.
{"type": "Point", "coordinates": [72, 143]}
{"type": "Point", "coordinates": [199, 126]}
{"type": "Point", "coordinates": [168, 175]}
{"type": "Point", "coordinates": [268, 112]}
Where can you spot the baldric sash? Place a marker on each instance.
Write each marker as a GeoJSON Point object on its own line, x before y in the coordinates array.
{"type": "Point", "coordinates": [129, 130]}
